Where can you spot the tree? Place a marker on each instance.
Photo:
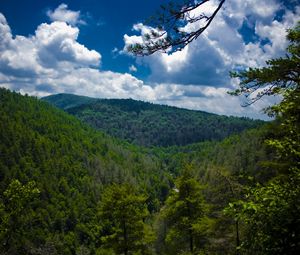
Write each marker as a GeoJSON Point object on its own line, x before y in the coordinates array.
{"type": "Point", "coordinates": [185, 214]}
{"type": "Point", "coordinates": [271, 210]}
{"type": "Point", "coordinates": [123, 215]}
{"type": "Point", "coordinates": [235, 190]}
{"type": "Point", "coordinates": [168, 31]}
{"type": "Point", "coordinates": [280, 75]}
{"type": "Point", "coordinates": [16, 215]}
{"type": "Point", "coordinates": [271, 217]}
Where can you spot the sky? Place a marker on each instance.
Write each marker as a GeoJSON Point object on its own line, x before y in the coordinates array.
{"type": "Point", "coordinates": [79, 47]}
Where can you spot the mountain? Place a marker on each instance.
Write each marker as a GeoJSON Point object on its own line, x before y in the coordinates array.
{"type": "Point", "coordinates": [55, 169]}
{"type": "Point", "coordinates": [66, 101]}
{"type": "Point", "coordinates": [69, 163]}
{"type": "Point", "coordinates": [150, 124]}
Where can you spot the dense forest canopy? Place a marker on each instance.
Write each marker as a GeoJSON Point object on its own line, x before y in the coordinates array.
{"type": "Point", "coordinates": [149, 124]}
{"type": "Point", "coordinates": [63, 167]}
{"type": "Point", "coordinates": [69, 164]}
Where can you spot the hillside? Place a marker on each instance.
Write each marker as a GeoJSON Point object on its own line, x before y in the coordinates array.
{"type": "Point", "coordinates": [70, 163]}
{"type": "Point", "coordinates": [149, 124]}
{"type": "Point", "coordinates": [66, 101]}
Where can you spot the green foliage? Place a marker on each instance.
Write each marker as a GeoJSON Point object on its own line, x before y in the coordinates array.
{"type": "Point", "coordinates": [287, 135]}
{"type": "Point", "coordinates": [148, 124]}
{"type": "Point", "coordinates": [225, 168]}
{"type": "Point", "coordinates": [70, 164]}
{"type": "Point", "coordinates": [66, 101]}
{"type": "Point", "coordinates": [270, 215]}
{"type": "Point", "coordinates": [123, 214]}
{"type": "Point", "coordinates": [271, 211]}
{"type": "Point", "coordinates": [16, 212]}
{"type": "Point", "coordinates": [186, 215]}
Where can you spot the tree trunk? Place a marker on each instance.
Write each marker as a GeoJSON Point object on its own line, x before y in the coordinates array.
{"type": "Point", "coordinates": [125, 238]}
{"type": "Point", "coordinates": [191, 241]}
{"type": "Point", "coordinates": [237, 236]}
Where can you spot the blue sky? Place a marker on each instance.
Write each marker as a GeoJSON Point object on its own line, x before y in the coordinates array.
{"type": "Point", "coordinates": [79, 47]}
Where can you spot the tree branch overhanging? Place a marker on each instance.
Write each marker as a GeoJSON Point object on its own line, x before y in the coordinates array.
{"type": "Point", "coordinates": [279, 76]}
{"type": "Point", "coordinates": [168, 34]}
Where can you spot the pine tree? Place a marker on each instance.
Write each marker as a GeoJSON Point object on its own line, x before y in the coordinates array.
{"type": "Point", "coordinates": [271, 210]}
{"type": "Point", "coordinates": [185, 214]}
{"type": "Point", "coordinates": [16, 216]}
{"type": "Point", "coordinates": [123, 214]}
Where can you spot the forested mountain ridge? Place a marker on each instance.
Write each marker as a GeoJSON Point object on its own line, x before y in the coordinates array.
{"type": "Point", "coordinates": [69, 164]}
{"type": "Point", "coordinates": [65, 101]}
{"type": "Point", "coordinates": [64, 186]}
{"type": "Point", "coordinates": [149, 124]}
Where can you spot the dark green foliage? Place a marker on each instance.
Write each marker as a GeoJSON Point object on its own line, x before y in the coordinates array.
{"type": "Point", "coordinates": [240, 155]}
{"type": "Point", "coordinates": [225, 169]}
{"type": "Point", "coordinates": [123, 213]}
{"type": "Point", "coordinates": [153, 125]}
{"type": "Point", "coordinates": [70, 164]}
{"type": "Point", "coordinates": [66, 101]}
{"type": "Point", "coordinates": [271, 218]}
{"type": "Point", "coordinates": [271, 210]}
{"type": "Point", "coordinates": [185, 214]}
{"type": "Point", "coordinates": [16, 216]}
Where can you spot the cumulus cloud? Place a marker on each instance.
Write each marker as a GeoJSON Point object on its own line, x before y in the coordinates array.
{"type": "Point", "coordinates": [57, 43]}
{"type": "Point", "coordinates": [36, 61]}
{"type": "Point", "coordinates": [210, 99]}
{"type": "Point", "coordinates": [53, 47]}
{"type": "Point", "coordinates": [53, 61]}
{"type": "Point", "coordinates": [144, 32]}
{"type": "Point", "coordinates": [222, 47]}
{"type": "Point", "coordinates": [62, 13]}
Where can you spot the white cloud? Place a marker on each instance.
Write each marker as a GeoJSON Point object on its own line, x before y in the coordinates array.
{"type": "Point", "coordinates": [222, 47]}
{"type": "Point", "coordinates": [145, 33]}
{"type": "Point", "coordinates": [5, 33]}
{"type": "Point", "coordinates": [132, 68]}
{"type": "Point", "coordinates": [57, 42]}
{"type": "Point", "coordinates": [207, 98]}
{"type": "Point", "coordinates": [53, 61]}
{"type": "Point", "coordinates": [52, 48]}
{"type": "Point", "coordinates": [257, 8]}
{"type": "Point", "coordinates": [38, 60]}
{"type": "Point", "coordinates": [274, 32]}
{"type": "Point", "coordinates": [61, 13]}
